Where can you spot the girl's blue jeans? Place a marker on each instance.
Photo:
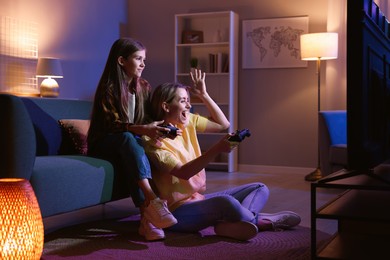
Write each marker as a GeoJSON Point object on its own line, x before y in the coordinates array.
{"type": "Point", "coordinates": [241, 203]}
{"type": "Point", "coordinates": [126, 153]}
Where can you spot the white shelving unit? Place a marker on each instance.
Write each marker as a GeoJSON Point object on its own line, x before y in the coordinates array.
{"type": "Point", "coordinates": [220, 38]}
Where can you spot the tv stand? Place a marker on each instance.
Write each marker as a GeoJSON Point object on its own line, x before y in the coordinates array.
{"type": "Point", "coordinates": [350, 173]}
{"type": "Point", "coordinates": [361, 207]}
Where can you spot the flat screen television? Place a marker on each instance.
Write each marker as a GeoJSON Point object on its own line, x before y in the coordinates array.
{"type": "Point", "coordinates": [368, 86]}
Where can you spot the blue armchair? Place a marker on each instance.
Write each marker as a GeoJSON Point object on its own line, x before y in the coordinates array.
{"type": "Point", "coordinates": [333, 141]}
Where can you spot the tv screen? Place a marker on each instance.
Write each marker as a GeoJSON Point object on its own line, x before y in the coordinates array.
{"type": "Point", "coordinates": [368, 86]}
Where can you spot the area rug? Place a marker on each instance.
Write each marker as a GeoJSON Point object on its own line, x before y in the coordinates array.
{"type": "Point", "coordinates": [119, 239]}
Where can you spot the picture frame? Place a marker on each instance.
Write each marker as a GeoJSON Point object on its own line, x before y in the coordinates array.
{"type": "Point", "coordinates": [192, 37]}
{"type": "Point", "coordinates": [273, 42]}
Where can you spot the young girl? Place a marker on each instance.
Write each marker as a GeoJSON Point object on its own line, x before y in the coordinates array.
{"type": "Point", "coordinates": [178, 170]}
{"type": "Point", "coordinates": [118, 118]}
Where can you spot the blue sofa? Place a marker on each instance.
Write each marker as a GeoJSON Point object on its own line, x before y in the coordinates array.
{"type": "Point", "coordinates": [35, 146]}
{"type": "Point", "coordinates": [333, 141]}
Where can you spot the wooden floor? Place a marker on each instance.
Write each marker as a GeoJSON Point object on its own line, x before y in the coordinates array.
{"type": "Point", "coordinates": [288, 191]}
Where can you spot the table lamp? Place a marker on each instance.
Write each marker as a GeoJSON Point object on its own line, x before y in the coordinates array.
{"type": "Point", "coordinates": [317, 47]}
{"type": "Point", "coordinates": [49, 68]}
{"type": "Point", "coordinates": [21, 225]}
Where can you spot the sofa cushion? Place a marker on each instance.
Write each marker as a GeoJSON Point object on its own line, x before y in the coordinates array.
{"type": "Point", "coordinates": [47, 130]}
{"type": "Point", "coordinates": [66, 183]}
{"type": "Point", "coordinates": [75, 133]}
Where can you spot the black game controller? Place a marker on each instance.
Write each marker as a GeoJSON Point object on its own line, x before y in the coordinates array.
{"type": "Point", "coordinates": [239, 135]}
{"type": "Point", "coordinates": [172, 133]}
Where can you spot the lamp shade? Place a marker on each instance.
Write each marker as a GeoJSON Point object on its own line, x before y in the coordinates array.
{"type": "Point", "coordinates": [21, 225]}
{"type": "Point", "coordinates": [323, 46]}
{"type": "Point", "coordinates": [49, 68]}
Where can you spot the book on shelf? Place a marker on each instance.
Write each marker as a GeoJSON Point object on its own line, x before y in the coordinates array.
{"type": "Point", "coordinates": [218, 62]}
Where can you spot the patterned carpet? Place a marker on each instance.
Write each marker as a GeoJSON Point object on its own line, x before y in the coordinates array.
{"type": "Point", "coordinates": [119, 239]}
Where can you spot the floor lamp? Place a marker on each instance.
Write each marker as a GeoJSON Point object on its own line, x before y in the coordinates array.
{"type": "Point", "coordinates": [317, 47]}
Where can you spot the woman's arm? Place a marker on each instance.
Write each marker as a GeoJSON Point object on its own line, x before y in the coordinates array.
{"type": "Point", "coordinates": [218, 121]}
{"type": "Point", "coordinates": [186, 171]}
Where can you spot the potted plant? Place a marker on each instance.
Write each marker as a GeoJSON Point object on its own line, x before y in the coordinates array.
{"type": "Point", "coordinates": [193, 63]}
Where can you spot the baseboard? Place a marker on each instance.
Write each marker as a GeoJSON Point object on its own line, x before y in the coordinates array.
{"type": "Point", "coordinates": [273, 169]}
{"type": "Point", "coordinates": [114, 209]}
{"type": "Point", "coordinates": [59, 221]}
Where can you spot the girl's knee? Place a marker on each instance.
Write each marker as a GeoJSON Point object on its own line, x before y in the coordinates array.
{"type": "Point", "coordinates": [130, 143]}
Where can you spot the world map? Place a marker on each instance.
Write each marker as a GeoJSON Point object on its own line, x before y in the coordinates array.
{"type": "Point", "coordinates": [273, 39]}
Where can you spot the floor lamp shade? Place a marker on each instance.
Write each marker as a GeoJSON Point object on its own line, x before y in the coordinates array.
{"type": "Point", "coordinates": [21, 225]}
{"type": "Point", "coordinates": [323, 46]}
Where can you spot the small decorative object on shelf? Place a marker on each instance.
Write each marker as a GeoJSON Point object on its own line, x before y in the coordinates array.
{"type": "Point", "coordinates": [193, 64]}
{"type": "Point", "coordinates": [192, 37]}
{"type": "Point", "coordinates": [218, 36]}
{"type": "Point", "coordinates": [21, 235]}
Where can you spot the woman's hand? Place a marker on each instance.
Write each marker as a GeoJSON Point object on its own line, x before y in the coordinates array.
{"type": "Point", "coordinates": [226, 146]}
{"type": "Point", "coordinates": [218, 121]}
{"type": "Point", "coordinates": [199, 83]}
{"type": "Point", "coordinates": [156, 131]}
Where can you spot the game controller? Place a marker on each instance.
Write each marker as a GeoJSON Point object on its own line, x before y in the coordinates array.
{"type": "Point", "coordinates": [239, 135]}
{"type": "Point", "coordinates": [172, 133]}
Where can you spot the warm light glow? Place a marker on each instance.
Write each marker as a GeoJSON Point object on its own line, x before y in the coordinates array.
{"type": "Point", "coordinates": [49, 88]}
{"type": "Point", "coordinates": [323, 46]}
{"type": "Point", "coordinates": [18, 55]}
{"type": "Point", "coordinates": [21, 225]}
{"type": "Point", "coordinates": [49, 68]}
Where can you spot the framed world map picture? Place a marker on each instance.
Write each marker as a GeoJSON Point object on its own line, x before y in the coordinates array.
{"type": "Point", "coordinates": [273, 43]}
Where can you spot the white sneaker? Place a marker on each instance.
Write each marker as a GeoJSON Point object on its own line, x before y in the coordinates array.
{"type": "Point", "coordinates": [158, 214]}
{"type": "Point", "coordinates": [282, 220]}
{"type": "Point", "coordinates": [150, 232]}
{"type": "Point", "coordinates": [240, 230]}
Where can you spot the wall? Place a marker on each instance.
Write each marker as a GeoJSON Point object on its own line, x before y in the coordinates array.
{"type": "Point", "coordinates": [79, 32]}
{"type": "Point", "coordinates": [279, 106]}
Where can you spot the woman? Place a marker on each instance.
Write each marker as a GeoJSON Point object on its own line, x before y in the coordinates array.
{"type": "Point", "coordinates": [118, 120]}
{"type": "Point", "coordinates": [179, 175]}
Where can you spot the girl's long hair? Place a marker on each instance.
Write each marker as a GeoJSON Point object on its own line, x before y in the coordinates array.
{"type": "Point", "coordinates": [111, 99]}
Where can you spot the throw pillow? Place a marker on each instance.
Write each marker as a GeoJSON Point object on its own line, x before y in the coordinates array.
{"type": "Point", "coordinates": [75, 136]}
